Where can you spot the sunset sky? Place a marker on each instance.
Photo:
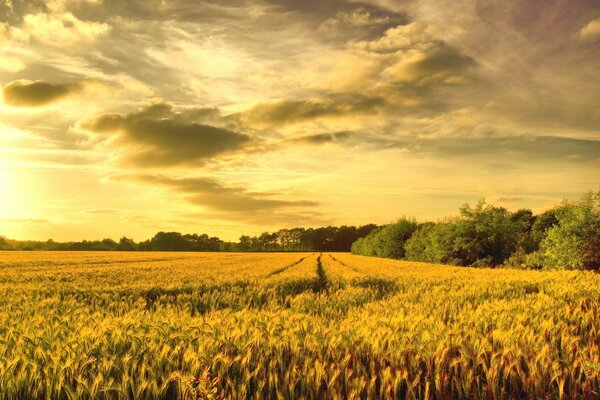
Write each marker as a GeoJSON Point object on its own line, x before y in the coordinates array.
{"type": "Point", "coordinates": [126, 117]}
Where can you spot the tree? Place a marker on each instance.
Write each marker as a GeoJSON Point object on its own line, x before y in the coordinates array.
{"type": "Point", "coordinates": [485, 235]}
{"type": "Point", "coordinates": [433, 243]}
{"type": "Point", "coordinates": [168, 241]}
{"type": "Point", "coordinates": [543, 222]}
{"type": "Point", "coordinates": [574, 241]}
{"type": "Point", "coordinates": [387, 241]}
{"type": "Point", "coordinates": [3, 243]}
{"type": "Point", "coordinates": [245, 243]}
{"type": "Point", "coordinates": [126, 244]}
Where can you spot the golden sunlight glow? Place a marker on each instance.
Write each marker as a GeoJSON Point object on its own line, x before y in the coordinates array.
{"type": "Point", "coordinates": [240, 119]}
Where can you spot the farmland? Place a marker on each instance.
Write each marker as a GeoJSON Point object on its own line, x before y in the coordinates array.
{"type": "Point", "coordinates": [291, 325]}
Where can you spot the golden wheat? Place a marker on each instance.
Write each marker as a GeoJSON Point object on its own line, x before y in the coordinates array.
{"type": "Point", "coordinates": [292, 325]}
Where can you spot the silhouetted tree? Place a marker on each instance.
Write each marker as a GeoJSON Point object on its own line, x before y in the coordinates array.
{"type": "Point", "coordinates": [126, 244]}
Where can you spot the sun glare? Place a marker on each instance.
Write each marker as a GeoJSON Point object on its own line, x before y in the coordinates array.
{"type": "Point", "coordinates": [8, 191]}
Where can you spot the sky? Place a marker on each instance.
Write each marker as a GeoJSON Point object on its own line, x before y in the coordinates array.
{"type": "Point", "coordinates": [128, 117]}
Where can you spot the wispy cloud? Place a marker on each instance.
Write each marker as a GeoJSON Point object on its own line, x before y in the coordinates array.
{"type": "Point", "coordinates": [289, 111]}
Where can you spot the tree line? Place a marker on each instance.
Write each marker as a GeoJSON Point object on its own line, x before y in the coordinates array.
{"type": "Point", "coordinates": [564, 237]}
{"type": "Point", "coordinates": [330, 238]}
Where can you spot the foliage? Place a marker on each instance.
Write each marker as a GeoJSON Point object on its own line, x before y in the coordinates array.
{"type": "Point", "coordinates": [573, 242]}
{"type": "Point", "coordinates": [485, 235]}
{"type": "Point", "coordinates": [387, 241]}
{"type": "Point", "coordinates": [432, 243]}
{"type": "Point", "coordinates": [329, 238]}
{"type": "Point", "coordinates": [482, 236]}
{"type": "Point", "coordinates": [565, 237]}
{"type": "Point", "coordinates": [290, 325]}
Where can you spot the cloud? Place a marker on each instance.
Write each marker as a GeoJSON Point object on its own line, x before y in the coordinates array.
{"type": "Point", "coordinates": [489, 148]}
{"type": "Point", "coordinates": [25, 93]}
{"type": "Point", "coordinates": [25, 220]}
{"type": "Point", "coordinates": [364, 21]}
{"type": "Point", "coordinates": [321, 138]}
{"type": "Point", "coordinates": [99, 211]}
{"type": "Point", "coordinates": [402, 37]}
{"type": "Point", "coordinates": [438, 64]}
{"type": "Point", "coordinates": [282, 112]}
{"type": "Point", "coordinates": [158, 135]}
{"type": "Point", "coordinates": [11, 63]}
{"type": "Point", "coordinates": [591, 30]}
{"type": "Point", "coordinates": [522, 148]}
{"type": "Point", "coordinates": [209, 193]}
{"type": "Point", "coordinates": [413, 53]}
{"type": "Point", "coordinates": [62, 28]}
{"type": "Point", "coordinates": [50, 23]}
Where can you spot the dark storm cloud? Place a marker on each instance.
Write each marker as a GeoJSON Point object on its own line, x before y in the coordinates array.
{"type": "Point", "coordinates": [160, 136]}
{"type": "Point", "coordinates": [209, 193]}
{"type": "Point", "coordinates": [23, 93]}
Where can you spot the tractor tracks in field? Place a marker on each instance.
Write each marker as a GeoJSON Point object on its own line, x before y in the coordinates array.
{"type": "Point", "coordinates": [380, 287]}
{"type": "Point", "coordinates": [322, 281]}
{"type": "Point", "coordinates": [286, 267]}
{"type": "Point", "coordinates": [345, 265]}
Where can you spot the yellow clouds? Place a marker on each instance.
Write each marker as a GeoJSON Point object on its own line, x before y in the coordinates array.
{"type": "Point", "coordinates": [158, 135]}
{"type": "Point", "coordinates": [300, 98]}
{"type": "Point", "coordinates": [402, 37]}
{"type": "Point", "coordinates": [12, 58]}
{"type": "Point", "coordinates": [441, 64]}
{"type": "Point", "coordinates": [413, 53]}
{"type": "Point", "coordinates": [62, 29]}
{"type": "Point", "coordinates": [24, 93]}
{"type": "Point", "coordinates": [591, 30]}
{"type": "Point", "coordinates": [213, 195]}
{"type": "Point", "coordinates": [54, 28]}
{"type": "Point", "coordinates": [284, 112]}
{"type": "Point", "coordinates": [11, 63]}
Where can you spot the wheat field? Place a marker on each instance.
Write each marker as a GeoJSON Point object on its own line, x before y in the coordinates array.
{"type": "Point", "coordinates": [110, 325]}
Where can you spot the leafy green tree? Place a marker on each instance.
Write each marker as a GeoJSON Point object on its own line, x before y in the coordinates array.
{"type": "Point", "coordinates": [485, 235]}
{"type": "Point", "coordinates": [126, 244]}
{"type": "Point", "coordinates": [245, 243]}
{"type": "Point", "coordinates": [3, 243]}
{"type": "Point", "coordinates": [543, 222]}
{"type": "Point", "coordinates": [168, 241]}
{"type": "Point", "coordinates": [387, 241]}
{"type": "Point", "coordinates": [432, 243]}
{"type": "Point", "coordinates": [574, 241]}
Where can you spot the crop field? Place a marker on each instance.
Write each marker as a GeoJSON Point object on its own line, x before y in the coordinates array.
{"type": "Point", "coordinates": [111, 325]}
